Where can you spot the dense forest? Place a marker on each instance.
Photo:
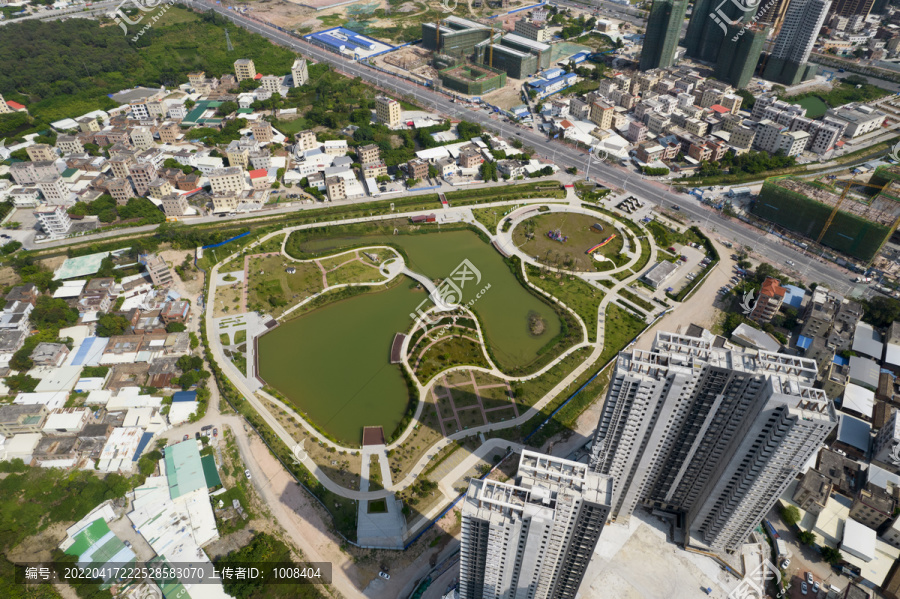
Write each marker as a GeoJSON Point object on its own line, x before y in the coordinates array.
{"type": "Point", "coordinates": [62, 69]}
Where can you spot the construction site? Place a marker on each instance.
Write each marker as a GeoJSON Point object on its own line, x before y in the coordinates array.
{"type": "Point", "coordinates": [855, 224]}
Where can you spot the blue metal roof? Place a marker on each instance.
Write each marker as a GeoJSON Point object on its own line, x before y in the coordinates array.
{"type": "Point", "coordinates": [145, 439]}
{"type": "Point", "coordinates": [840, 361]}
{"type": "Point", "coordinates": [803, 342]}
{"type": "Point", "coordinates": [794, 296]}
{"type": "Point", "coordinates": [184, 396]}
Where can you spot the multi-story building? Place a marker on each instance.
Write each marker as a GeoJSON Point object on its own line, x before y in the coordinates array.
{"type": "Point", "coordinates": [306, 140]}
{"type": "Point", "coordinates": [710, 433]}
{"type": "Point", "coordinates": [601, 114]}
{"type": "Point", "coordinates": [54, 190]}
{"type": "Point", "coordinates": [299, 73]}
{"type": "Point", "coordinates": [852, 8]}
{"type": "Point", "coordinates": [637, 132]}
{"type": "Point", "coordinates": [742, 137]}
{"type": "Point", "coordinates": [368, 153]}
{"type": "Point", "coordinates": [54, 220]}
{"type": "Point", "coordinates": [39, 152]}
{"type": "Point", "coordinates": [262, 131]}
{"type": "Point", "coordinates": [225, 203]}
{"type": "Point", "coordinates": [335, 188]}
{"type": "Point", "coordinates": [271, 83]}
{"type": "Point", "coordinates": [227, 181]}
{"type": "Point", "coordinates": [159, 272]}
{"type": "Point", "coordinates": [387, 111]}
{"type": "Point", "coordinates": [141, 137]}
{"type": "Point", "coordinates": [792, 143]}
{"type": "Point", "coordinates": [260, 159]}
{"type": "Point", "coordinates": [787, 63]}
{"type": "Point", "coordinates": [417, 169]}
{"type": "Point", "coordinates": [819, 314]}
{"type": "Point", "coordinates": [859, 118]}
{"type": "Point", "coordinates": [142, 175]}
{"type": "Point", "coordinates": [160, 188]}
{"type": "Point", "coordinates": [120, 165]}
{"type": "Point", "coordinates": [169, 132]}
{"type": "Point", "coordinates": [771, 296]}
{"type": "Point", "coordinates": [872, 506]}
{"type": "Point", "coordinates": [139, 110]}
{"type": "Point", "coordinates": [739, 52]}
{"type": "Point", "coordinates": [470, 156]}
{"type": "Point", "coordinates": [533, 538]}
{"type": "Point", "coordinates": [238, 151]}
{"type": "Point", "coordinates": [533, 30]}
{"type": "Point", "coordinates": [18, 419]}
{"type": "Point", "coordinates": [244, 69]}
{"type": "Point", "coordinates": [68, 144]}
{"type": "Point", "coordinates": [121, 190]}
{"type": "Point", "coordinates": [663, 31]}
{"type": "Point", "coordinates": [174, 205]}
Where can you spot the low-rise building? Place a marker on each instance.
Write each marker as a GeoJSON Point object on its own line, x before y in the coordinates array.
{"type": "Point", "coordinates": [335, 188]}
{"type": "Point", "coordinates": [174, 205]}
{"type": "Point", "coordinates": [53, 220]}
{"type": "Point", "coordinates": [158, 270]}
{"type": "Point", "coordinates": [18, 419]}
{"type": "Point", "coordinates": [226, 181]}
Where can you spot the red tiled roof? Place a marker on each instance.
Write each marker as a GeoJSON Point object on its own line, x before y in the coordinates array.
{"type": "Point", "coordinates": [260, 172]}
{"type": "Point", "coordinates": [258, 76]}
{"type": "Point", "coordinates": [719, 108]}
{"type": "Point", "coordinates": [772, 288]}
{"type": "Point", "coordinates": [15, 105]}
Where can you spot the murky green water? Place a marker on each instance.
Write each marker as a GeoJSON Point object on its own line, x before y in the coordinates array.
{"type": "Point", "coordinates": [334, 362]}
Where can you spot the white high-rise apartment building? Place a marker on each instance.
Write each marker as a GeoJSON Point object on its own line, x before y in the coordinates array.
{"type": "Point", "coordinates": [54, 220]}
{"type": "Point", "coordinates": [299, 72]}
{"type": "Point", "coordinates": [710, 433]}
{"type": "Point", "coordinates": [532, 539]}
{"type": "Point", "coordinates": [801, 26]}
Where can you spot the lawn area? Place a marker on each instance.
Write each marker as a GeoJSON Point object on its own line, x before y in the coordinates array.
{"type": "Point", "coordinates": [374, 474]}
{"type": "Point", "coordinates": [637, 300]}
{"type": "Point", "coordinates": [292, 126]}
{"type": "Point", "coordinates": [576, 234]}
{"type": "Point", "coordinates": [355, 271]}
{"type": "Point", "coordinates": [273, 290]}
{"type": "Point", "coordinates": [578, 295]}
{"type": "Point", "coordinates": [240, 336]}
{"type": "Point", "coordinates": [450, 351]}
{"type": "Point", "coordinates": [489, 217]}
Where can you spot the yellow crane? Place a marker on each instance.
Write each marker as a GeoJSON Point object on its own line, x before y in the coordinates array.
{"type": "Point", "coordinates": [840, 201]}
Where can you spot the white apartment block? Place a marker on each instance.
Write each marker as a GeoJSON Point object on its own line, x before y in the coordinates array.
{"type": "Point", "coordinates": [768, 135]}
{"type": "Point", "coordinates": [139, 110]}
{"type": "Point", "coordinates": [271, 83]}
{"type": "Point", "coordinates": [860, 119]}
{"type": "Point", "coordinates": [538, 32]}
{"type": "Point", "coordinates": [713, 434]}
{"type": "Point", "coordinates": [227, 181]}
{"type": "Point", "coordinates": [533, 537]}
{"type": "Point", "coordinates": [299, 73]}
{"type": "Point", "coordinates": [54, 220]}
{"type": "Point", "coordinates": [792, 143]}
{"type": "Point", "coordinates": [54, 190]}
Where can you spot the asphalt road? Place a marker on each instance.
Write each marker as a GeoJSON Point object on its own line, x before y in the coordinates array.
{"type": "Point", "coordinates": [563, 156]}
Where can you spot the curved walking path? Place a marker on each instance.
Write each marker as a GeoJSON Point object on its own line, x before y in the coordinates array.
{"type": "Point", "coordinates": [394, 267]}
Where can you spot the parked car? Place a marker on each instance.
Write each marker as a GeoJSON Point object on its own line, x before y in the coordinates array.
{"type": "Point", "coordinates": [206, 428]}
{"type": "Point", "coordinates": [385, 575]}
{"type": "Point", "coordinates": [803, 588]}
{"type": "Point", "coordinates": [197, 435]}
{"type": "Point", "coordinates": [215, 432]}
{"type": "Point", "coordinates": [186, 437]}
{"type": "Point", "coordinates": [247, 473]}
{"type": "Point", "coordinates": [785, 564]}
{"type": "Point", "coordinates": [128, 544]}
{"type": "Point", "coordinates": [815, 587]}
{"type": "Point", "coordinates": [809, 577]}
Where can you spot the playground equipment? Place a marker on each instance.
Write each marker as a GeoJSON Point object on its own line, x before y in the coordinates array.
{"type": "Point", "coordinates": [557, 236]}
{"type": "Point", "coordinates": [601, 244]}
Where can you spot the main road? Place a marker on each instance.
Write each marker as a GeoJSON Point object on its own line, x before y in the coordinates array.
{"type": "Point", "coordinates": [564, 156]}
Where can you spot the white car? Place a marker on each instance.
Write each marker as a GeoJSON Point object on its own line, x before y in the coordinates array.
{"type": "Point", "coordinates": [247, 473]}
{"type": "Point", "coordinates": [385, 575]}
{"type": "Point", "coordinates": [803, 588]}
{"type": "Point", "coordinates": [809, 577]}
{"type": "Point", "coordinates": [785, 564]}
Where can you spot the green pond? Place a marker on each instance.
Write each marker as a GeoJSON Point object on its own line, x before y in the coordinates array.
{"type": "Point", "coordinates": [334, 362]}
